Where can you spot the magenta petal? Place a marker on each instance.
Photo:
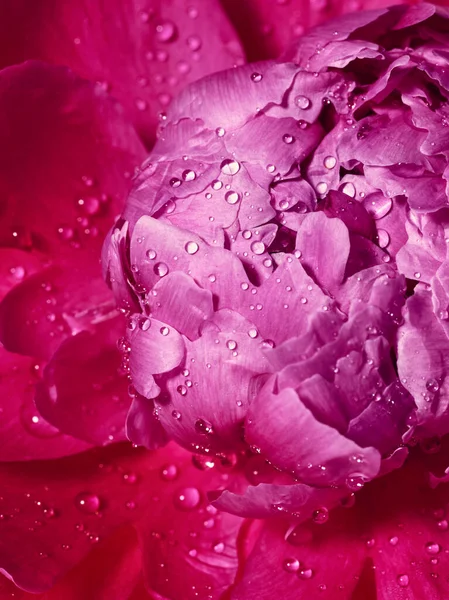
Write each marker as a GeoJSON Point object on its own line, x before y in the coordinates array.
{"type": "Point", "coordinates": [143, 57]}
{"type": "Point", "coordinates": [142, 425]}
{"type": "Point", "coordinates": [84, 391]}
{"type": "Point", "coordinates": [178, 301]}
{"type": "Point", "coordinates": [154, 348]}
{"type": "Point", "coordinates": [25, 434]}
{"type": "Point", "coordinates": [272, 415]}
{"type": "Point", "coordinates": [324, 247]}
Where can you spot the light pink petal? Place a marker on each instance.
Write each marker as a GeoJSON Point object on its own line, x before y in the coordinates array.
{"type": "Point", "coordinates": [143, 56]}
{"type": "Point", "coordinates": [272, 415]}
{"type": "Point", "coordinates": [84, 389]}
{"type": "Point", "coordinates": [324, 246]}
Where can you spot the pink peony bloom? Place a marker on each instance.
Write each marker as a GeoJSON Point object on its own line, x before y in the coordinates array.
{"type": "Point", "coordinates": [278, 358]}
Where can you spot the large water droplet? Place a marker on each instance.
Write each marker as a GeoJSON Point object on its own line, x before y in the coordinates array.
{"type": "Point", "coordinates": [330, 162]}
{"type": "Point", "coordinates": [432, 385]}
{"type": "Point", "coordinates": [258, 247]}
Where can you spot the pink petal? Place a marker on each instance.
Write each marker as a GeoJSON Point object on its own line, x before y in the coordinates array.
{"type": "Point", "coordinates": [283, 414]}
{"type": "Point", "coordinates": [76, 503]}
{"type": "Point", "coordinates": [84, 390]}
{"type": "Point", "coordinates": [144, 55]}
{"type": "Point", "coordinates": [324, 246]}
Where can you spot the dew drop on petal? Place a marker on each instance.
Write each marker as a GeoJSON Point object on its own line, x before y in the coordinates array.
{"type": "Point", "coordinates": [230, 167]}
{"type": "Point", "coordinates": [258, 247]}
{"type": "Point", "coordinates": [169, 472]}
{"type": "Point", "coordinates": [87, 503]}
{"type": "Point", "coordinates": [321, 188]}
{"type": "Point", "coordinates": [291, 565]}
{"type": "Point", "coordinates": [161, 269]}
{"type": "Point", "coordinates": [165, 31]}
{"type": "Point", "coordinates": [330, 162]}
{"type": "Point", "coordinates": [305, 574]}
{"type": "Point", "coordinates": [191, 247]}
{"type": "Point", "coordinates": [302, 102]}
{"type": "Point", "coordinates": [320, 516]}
{"type": "Point", "coordinates": [433, 548]}
{"type": "Point", "coordinates": [151, 254]}
{"type": "Point", "coordinates": [232, 197]}
{"type": "Point", "coordinates": [187, 498]}
{"type": "Point", "coordinates": [256, 77]}
{"type": "Point", "coordinates": [204, 427]}
{"type": "Point", "coordinates": [432, 385]}
{"type": "Point", "coordinates": [403, 580]}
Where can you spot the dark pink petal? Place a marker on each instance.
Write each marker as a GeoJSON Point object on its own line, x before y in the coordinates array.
{"type": "Point", "coordinates": [84, 390]}
{"type": "Point", "coordinates": [144, 55]}
{"type": "Point", "coordinates": [25, 434]}
{"type": "Point", "coordinates": [394, 530]}
{"type": "Point", "coordinates": [272, 415]}
{"type": "Point", "coordinates": [352, 213]}
{"type": "Point", "coordinates": [67, 507]}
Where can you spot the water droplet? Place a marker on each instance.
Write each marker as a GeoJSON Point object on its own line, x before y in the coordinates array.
{"type": "Point", "coordinates": [191, 247]}
{"type": "Point", "coordinates": [204, 427]}
{"type": "Point", "coordinates": [231, 344]}
{"type": "Point", "coordinates": [230, 166]}
{"type": "Point", "coordinates": [253, 333]}
{"type": "Point", "coordinates": [141, 104]}
{"type": "Point", "coordinates": [330, 162]}
{"type": "Point", "coordinates": [169, 472]}
{"type": "Point", "coordinates": [305, 574]}
{"type": "Point", "coordinates": [161, 269]}
{"type": "Point", "coordinates": [291, 565]}
{"type": "Point", "coordinates": [302, 102]}
{"type": "Point", "coordinates": [151, 254]}
{"type": "Point", "coordinates": [194, 42]}
{"type": "Point", "coordinates": [320, 516]}
{"type": "Point", "coordinates": [355, 482]}
{"type": "Point", "coordinates": [256, 77]}
{"type": "Point", "coordinates": [232, 197]}
{"type": "Point", "coordinates": [302, 124]}
{"type": "Point", "coordinates": [394, 540]}
{"type": "Point", "coordinates": [432, 385]}
{"type": "Point", "coordinates": [348, 189]}
{"type": "Point", "coordinates": [383, 238]}
{"type": "Point", "coordinates": [219, 547]}
{"type": "Point", "coordinates": [433, 548]}
{"type": "Point", "coordinates": [288, 139]}
{"type": "Point", "coordinates": [187, 498]}
{"type": "Point", "coordinates": [403, 580]}
{"type": "Point", "coordinates": [166, 31]}
{"type": "Point", "coordinates": [217, 185]}
{"type": "Point", "coordinates": [220, 131]}
{"type": "Point", "coordinates": [87, 503]}
{"type": "Point", "coordinates": [417, 275]}
{"type": "Point", "coordinates": [188, 175]}
{"type": "Point", "coordinates": [164, 330]}
{"type": "Point", "coordinates": [35, 424]}
{"type": "Point", "coordinates": [145, 324]}
{"type": "Point", "coordinates": [176, 414]}
{"type": "Point", "coordinates": [258, 247]}
{"type": "Point", "coordinates": [321, 188]}
{"type": "Point", "coordinates": [443, 525]}
{"type": "Point", "coordinates": [175, 182]}
{"type": "Point", "coordinates": [182, 390]}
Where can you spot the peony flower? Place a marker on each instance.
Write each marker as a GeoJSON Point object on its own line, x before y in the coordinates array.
{"type": "Point", "coordinates": [278, 357]}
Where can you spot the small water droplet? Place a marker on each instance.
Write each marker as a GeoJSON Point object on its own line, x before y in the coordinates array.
{"type": "Point", "coordinates": [417, 275]}
{"type": "Point", "coordinates": [161, 269]}
{"type": "Point", "coordinates": [302, 102]}
{"type": "Point", "coordinates": [433, 548]}
{"type": "Point", "coordinates": [320, 516]}
{"type": "Point", "coordinates": [321, 188]}
{"type": "Point", "coordinates": [305, 574]}
{"type": "Point", "coordinates": [232, 197]}
{"type": "Point", "coordinates": [169, 472]}
{"type": "Point", "coordinates": [432, 385]}
{"type": "Point", "coordinates": [403, 580]}
{"type": "Point", "coordinates": [176, 414]}
{"type": "Point", "coordinates": [151, 254]}
{"type": "Point", "coordinates": [355, 482]}
{"type": "Point", "coordinates": [164, 330]}
{"type": "Point", "coordinates": [220, 131]}
{"type": "Point", "coordinates": [394, 540]}
{"type": "Point", "coordinates": [191, 247]}
{"type": "Point", "coordinates": [256, 77]}
{"type": "Point", "coordinates": [291, 565]}
{"type": "Point", "coordinates": [188, 175]}
{"type": "Point", "coordinates": [204, 427]}
{"type": "Point", "coordinates": [231, 344]}
{"type": "Point", "coordinates": [87, 502]}
{"type": "Point", "coordinates": [187, 498]}
{"type": "Point", "coordinates": [219, 547]}
{"type": "Point", "coordinates": [330, 162]}
{"type": "Point", "coordinates": [258, 247]}
{"type": "Point", "coordinates": [166, 31]}
{"type": "Point", "coordinates": [348, 189]}
{"type": "Point", "coordinates": [194, 42]}
{"type": "Point", "coordinates": [288, 139]}
{"type": "Point", "coordinates": [230, 167]}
